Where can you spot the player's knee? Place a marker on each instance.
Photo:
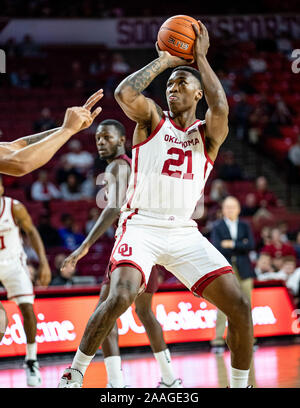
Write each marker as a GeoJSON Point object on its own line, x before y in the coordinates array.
{"type": "Point", "coordinates": [144, 313]}
{"type": "Point", "coordinates": [240, 313]}
{"type": "Point", "coordinates": [122, 301]}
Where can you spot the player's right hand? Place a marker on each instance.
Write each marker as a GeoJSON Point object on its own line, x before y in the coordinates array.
{"type": "Point", "coordinates": [171, 60]}
{"type": "Point", "coordinates": [73, 258]}
{"type": "Point", "coordinates": [78, 118]}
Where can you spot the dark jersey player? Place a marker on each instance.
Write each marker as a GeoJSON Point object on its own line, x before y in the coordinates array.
{"type": "Point", "coordinates": [110, 141]}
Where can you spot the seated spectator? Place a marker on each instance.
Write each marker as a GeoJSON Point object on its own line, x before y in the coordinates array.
{"type": "Point", "coordinates": [250, 206]}
{"type": "Point", "coordinates": [65, 168]}
{"type": "Point", "coordinates": [70, 238]}
{"type": "Point", "coordinates": [92, 218]}
{"type": "Point", "coordinates": [28, 48]}
{"type": "Point", "coordinates": [265, 237]}
{"type": "Point", "coordinates": [240, 116]}
{"type": "Point", "coordinates": [49, 234]}
{"type": "Point", "coordinates": [62, 278]}
{"type": "Point", "coordinates": [89, 188]}
{"type": "Point", "coordinates": [278, 249]}
{"type": "Point", "coordinates": [20, 78]}
{"type": "Point", "coordinates": [42, 189]}
{"type": "Point", "coordinates": [288, 273]}
{"type": "Point", "coordinates": [263, 265]}
{"type": "Point", "coordinates": [230, 170]}
{"type": "Point", "coordinates": [80, 159]}
{"type": "Point", "coordinates": [264, 197]}
{"type": "Point", "coordinates": [119, 68]}
{"type": "Point", "coordinates": [282, 115]}
{"type": "Point", "coordinates": [218, 191]}
{"type": "Point", "coordinates": [100, 66]}
{"type": "Point", "coordinates": [292, 273]}
{"type": "Point", "coordinates": [45, 122]}
{"type": "Point", "coordinates": [71, 189]}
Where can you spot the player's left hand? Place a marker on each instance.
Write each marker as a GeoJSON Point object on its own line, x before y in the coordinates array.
{"type": "Point", "coordinates": [44, 274]}
{"type": "Point", "coordinates": [201, 44]}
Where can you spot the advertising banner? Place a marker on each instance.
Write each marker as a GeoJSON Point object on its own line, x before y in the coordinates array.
{"type": "Point", "coordinates": [184, 318]}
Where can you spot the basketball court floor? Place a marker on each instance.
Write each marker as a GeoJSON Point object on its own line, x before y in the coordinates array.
{"type": "Point", "coordinates": [274, 366]}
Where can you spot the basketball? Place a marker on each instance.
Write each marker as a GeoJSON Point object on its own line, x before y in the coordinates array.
{"type": "Point", "coordinates": [177, 36]}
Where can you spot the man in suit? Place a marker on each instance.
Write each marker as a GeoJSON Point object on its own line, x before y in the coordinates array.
{"type": "Point", "coordinates": [234, 239]}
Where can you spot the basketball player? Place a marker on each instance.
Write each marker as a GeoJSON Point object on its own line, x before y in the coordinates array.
{"type": "Point", "coordinates": [14, 274]}
{"type": "Point", "coordinates": [110, 140]}
{"type": "Point", "coordinates": [173, 154]}
{"type": "Point", "coordinates": [24, 155]}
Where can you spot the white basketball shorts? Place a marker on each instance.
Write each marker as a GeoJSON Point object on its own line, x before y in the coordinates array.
{"type": "Point", "coordinates": [142, 242]}
{"type": "Point", "coordinates": [15, 278]}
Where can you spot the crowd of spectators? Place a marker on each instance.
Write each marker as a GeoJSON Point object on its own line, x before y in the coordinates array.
{"type": "Point", "coordinates": [254, 116]}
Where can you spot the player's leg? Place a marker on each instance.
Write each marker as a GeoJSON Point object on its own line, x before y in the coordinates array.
{"type": "Point", "coordinates": [3, 321]}
{"type": "Point", "coordinates": [30, 327]}
{"type": "Point", "coordinates": [125, 283]}
{"type": "Point", "coordinates": [143, 308]}
{"type": "Point", "coordinates": [205, 271]}
{"type": "Point", "coordinates": [110, 350]}
{"type": "Point", "coordinates": [226, 294]}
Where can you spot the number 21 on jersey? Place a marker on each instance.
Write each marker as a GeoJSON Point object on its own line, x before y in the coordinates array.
{"type": "Point", "coordinates": [178, 161]}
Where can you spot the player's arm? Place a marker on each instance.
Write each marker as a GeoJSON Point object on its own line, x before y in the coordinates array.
{"type": "Point", "coordinates": [36, 154]}
{"type": "Point", "coordinates": [117, 178]}
{"type": "Point", "coordinates": [216, 117]}
{"type": "Point", "coordinates": [28, 140]}
{"type": "Point", "coordinates": [24, 221]}
{"type": "Point", "coordinates": [129, 92]}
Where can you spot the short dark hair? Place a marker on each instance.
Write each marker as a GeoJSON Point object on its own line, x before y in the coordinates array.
{"type": "Point", "coordinates": [112, 122]}
{"type": "Point", "coordinates": [191, 70]}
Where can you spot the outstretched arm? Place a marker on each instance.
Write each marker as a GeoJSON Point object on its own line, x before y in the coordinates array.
{"type": "Point", "coordinates": [216, 117]}
{"type": "Point", "coordinates": [19, 159]}
{"type": "Point", "coordinates": [117, 182]}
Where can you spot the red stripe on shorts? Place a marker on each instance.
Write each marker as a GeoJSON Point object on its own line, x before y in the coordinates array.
{"type": "Point", "coordinates": [201, 284]}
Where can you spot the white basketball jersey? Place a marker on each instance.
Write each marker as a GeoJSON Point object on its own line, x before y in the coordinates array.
{"type": "Point", "coordinates": [169, 171]}
{"type": "Point", "coordinates": [11, 247]}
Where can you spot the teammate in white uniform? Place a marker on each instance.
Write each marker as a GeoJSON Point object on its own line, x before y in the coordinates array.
{"type": "Point", "coordinates": [14, 274]}
{"type": "Point", "coordinates": [28, 153]}
{"type": "Point", "coordinates": [173, 153]}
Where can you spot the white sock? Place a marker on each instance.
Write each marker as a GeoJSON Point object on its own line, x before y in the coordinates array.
{"type": "Point", "coordinates": [31, 350]}
{"type": "Point", "coordinates": [81, 361]}
{"type": "Point", "coordinates": [114, 371]}
{"type": "Point", "coordinates": [164, 360]}
{"type": "Point", "coordinates": [239, 378]}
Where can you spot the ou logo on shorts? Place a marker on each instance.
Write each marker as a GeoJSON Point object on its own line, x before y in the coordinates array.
{"type": "Point", "coordinates": [125, 250]}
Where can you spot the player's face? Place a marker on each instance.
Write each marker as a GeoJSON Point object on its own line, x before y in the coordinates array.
{"type": "Point", "coordinates": [183, 91]}
{"type": "Point", "coordinates": [107, 140]}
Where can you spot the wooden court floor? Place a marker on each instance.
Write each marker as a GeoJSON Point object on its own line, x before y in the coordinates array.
{"type": "Point", "coordinates": [273, 367]}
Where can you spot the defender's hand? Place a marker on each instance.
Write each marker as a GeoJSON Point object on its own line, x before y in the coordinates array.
{"type": "Point", "coordinates": [79, 118]}
{"type": "Point", "coordinates": [73, 258]}
{"type": "Point", "coordinates": [171, 60]}
{"type": "Point", "coordinates": [44, 274]}
{"type": "Point", "coordinates": [201, 44]}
